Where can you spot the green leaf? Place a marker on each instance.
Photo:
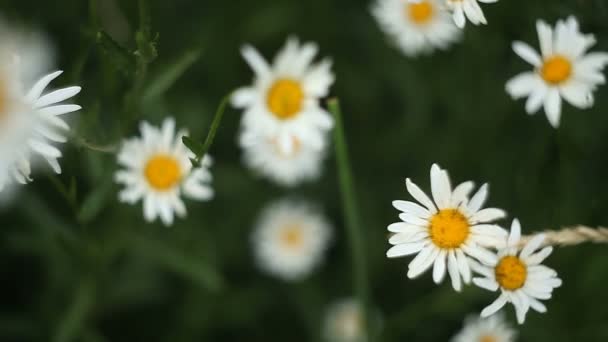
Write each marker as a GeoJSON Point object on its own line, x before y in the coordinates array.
{"type": "Point", "coordinates": [119, 57]}
{"type": "Point", "coordinates": [194, 146]}
{"type": "Point", "coordinates": [166, 79]}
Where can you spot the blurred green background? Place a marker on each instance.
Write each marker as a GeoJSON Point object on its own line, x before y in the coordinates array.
{"type": "Point", "coordinates": [76, 265]}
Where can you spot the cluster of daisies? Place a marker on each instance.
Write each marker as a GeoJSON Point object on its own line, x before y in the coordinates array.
{"type": "Point", "coordinates": [452, 233]}
{"type": "Point", "coordinates": [564, 69]}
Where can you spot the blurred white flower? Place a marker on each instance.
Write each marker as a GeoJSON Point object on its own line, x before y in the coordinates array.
{"type": "Point", "coordinates": [30, 121]}
{"type": "Point", "coordinates": [344, 322]}
{"type": "Point", "coordinates": [283, 102]}
{"type": "Point", "coordinates": [158, 171]}
{"type": "Point", "coordinates": [564, 70]}
{"type": "Point", "coordinates": [521, 278]}
{"type": "Point", "coordinates": [290, 239]}
{"type": "Point", "coordinates": [263, 155]}
{"type": "Point", "coordinates": [445, 232]}
{"type": "Point", "coordinates": [417, 27]}
{"type": "Point", "coordinates": [468, 9]}
{"type": "Point", "coordinates": [491, 329]}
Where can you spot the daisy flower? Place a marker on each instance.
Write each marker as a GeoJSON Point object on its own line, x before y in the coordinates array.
{"type": "Point", "coordinates": [468, 9]}
{"type": "Point", "coordinates": [564, 69]}
{"type": "Point", "coordinates": [263, 155]}
{"type": "Point", "coordinates": [491, 329]}
{"type": "Point", "coordinates": [290, 239]}
{"type": "Point", "coordinates": [283, 102]}
{"type": "Point", "coordinates": [416, 27]}
{"type": "Point", "coordinates": [521, 278]}
{"type": "Point", "coordinates": [344, 322]}
{"type": "Point", "coordinates": [445, 230]}
{"type": "Point", "coordinates": [157, 170]}
{"type": "Point", "coordinates": [31, 122]}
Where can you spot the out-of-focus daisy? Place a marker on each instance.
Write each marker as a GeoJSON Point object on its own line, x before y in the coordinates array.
{"type": "Point", "coordinates": [263, 155]}
{"type": "Point", "coordinates": [283, 102]}
{"type": "Point", "coordinates": [344, 322]}
{"type": "Point", "coordinates": [445, 231]}
{"type": "Point", "coordinates": [417, 27]}
{"type": "Point", "coordinates": [158, 171]}
{"type": "Point", "coordinates": [521, 278]}
{"type": "Point", "coordinates": [290, 239]}
{"type": "Point", "coordinates": [491, 329]}
{"type": "Point", "coordinates": [31, 122]}
{"type": "Point", "coordinates": [468, 9]}
{"type": "Point", "coordinates": [563, 70]}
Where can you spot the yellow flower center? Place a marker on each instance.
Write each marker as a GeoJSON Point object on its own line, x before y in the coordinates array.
{"type": "Point", "coordinates": [163, 172]}
{"type": "Point", "coordinates": [449, 229]}
{"type": "Point", "coordinates": [556, 69]}
{"type": "Point", "coordinates": [292, 237]}
{"type": "Point", "coordinates": [285, 98]}
{"type": "Point", "coordinates": [511, 273]}
{"type": "Point", "coordinates": [420, 12]}
{"type": "Point", "coordinates": [488, 338]}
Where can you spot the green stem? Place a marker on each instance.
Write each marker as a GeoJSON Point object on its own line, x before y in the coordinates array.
{"type": "Point", "coordinates": [349, 207]}
{"type": "Point", "coordinates": [215, 124]}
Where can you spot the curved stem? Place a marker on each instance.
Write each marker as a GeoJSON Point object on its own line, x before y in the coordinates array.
{"type": "Point", "coordinates": [353, 221]}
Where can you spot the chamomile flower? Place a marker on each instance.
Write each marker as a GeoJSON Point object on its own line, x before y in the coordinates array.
{"type": "Point", "coordinates": [445, 231]}
{"type": "Point", "coordinates": [158, 171]}
{"type": "Point", "coordinates": [491, 329]}
{"type": "Point", "coordinates": [283, 102]}
{"type": "Point", "coordinates": [520, 276]}
{"type": "Point", "coordinates": [344, 322]}
{"type": "Point", "coordinates": [263, 155]}
{"type": "Point", "coordinates": [417, 27]}
{"type": "Point", "coordinates": [31, 122]}
{"type": "Point", "coordinates": [564, 69]}
{"type": "Point", "coordinates": [290, 239]}
{"type": "Point", "coordinates": [468, 9]}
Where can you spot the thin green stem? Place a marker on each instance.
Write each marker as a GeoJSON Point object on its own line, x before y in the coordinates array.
{"type": "Point", "coordinates": [215, 124]}
{"type": "Point", "coordinates": [349, 207]}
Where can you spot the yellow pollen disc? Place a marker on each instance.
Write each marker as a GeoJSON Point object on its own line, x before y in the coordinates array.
{"type": "Point", "coordinates": [163, 172]}
{"type": "Point", "coordinates": [488, 338]}
{"type": "Point", "coordinates": [449, 229]}
{"type": "Point", "coordinates": [292, 237]}
{"type": "Point", "coordinates": [420, 12]}
{"type": "Point", "coordinates": [511, 273]}
{"type": "Point", "coordinates": [556, 69]}
{"type": "Point", "coordinates": [285, 98]}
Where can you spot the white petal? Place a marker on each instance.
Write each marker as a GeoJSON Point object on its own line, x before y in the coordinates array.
{"type": "Point", "coordinates": [545, 37]}
{"type": "Point", "coordinates": [255, 60]}
{"type": "Point", "coordinates": [577, 94]}
{"type": "Point", "coordinates": [532, 246]}
{"type": "Point", "coordinates": [39, 87]}
{"type": "Point", "coordinates": [495, 306]}
{"type": "Point", "coordinates": [527, 53]}
{"type": "Point", "coordinates": [522, 85]}
{"type": "Point", "coordinates": [515, 234]}
{"type": "Point", "coordinates": [413, 208]}
{"type": "Point", "coordinates": [57, 96]}
{"type": "Point", "coordinates": [405, 249]}
{"type": "Point", "coordinates": [488, 215]}
{"type": "Point", "coordinates": [402, 227]}
{"type": "Point", "coordinates": [439, 268]}
{"type": "Point", "coordinates": [59, 109]}
{"type": "Point", "coordinates": [420, 196]}
{"type": "Point", "coordinates": [463, 266]}
{"type": "Point", "coordinates": [486, 283]}
{"type": "Point", "coordinates": [453, 271]}
{"type": "Point", "coordinates": [440, 187]}
{"type": "Point", "coordinates": [461, 192]}
{"type": "Point", "coordinates": [553, 107]}
{"type": "Point", "coordinates": [478, 199]}
{"type": "Point", "coordinates": [536, 99]}
{"type": "Point", "coordinates": [539, 257]}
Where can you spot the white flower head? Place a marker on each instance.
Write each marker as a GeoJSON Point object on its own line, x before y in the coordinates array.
{"type": "Point", "coordinates": [344, 322]}
{"type": "Point", "coordinates": [31, 123]}
{"type": "Point", "coordinates": [564, 69]}
{"type": "Point", "coordinates": [417, 27]}
{"type": "Point", "coordinates": [521, 278]}
{"type": "Point", "coordinates": [468, 9]}
{"type": "Point", "coordinates": [263, 155]}
{"type": "Point", "coordinates": [290, 239]}
{"type": "Point", "coordinates": [490, 329]}
{"type": "Point", "coordinates": [446, 231]}
{"type": "Point", "coordinates": [158, 171]}
{"type": "Point", "coordinates": [283, 102]}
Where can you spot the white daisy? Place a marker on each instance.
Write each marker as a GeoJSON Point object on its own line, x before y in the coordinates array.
{"type": "Point", "coordinates": [564, 70]}
{"type": "Point", "coordinates": [491, 329]}
{"type": "Point", "coordinates": [263, 155]}
{"type": "Point", "coordinates": [444, 232]}
{"type": "Point", "coordinates": [521, 278]}
{"type": "Point", "coordinates": [344, 322]}
{"type": "Point", "coordinates": [290, 239]}
{"type": "Point", "coordinates": [417, 27]}
{"type": "Point", "coordinates": [30, 122]}
{"type": "Point", "coordinates": [157, 171]}
{"type": "Point", "coordinates": [468, 9]}
{"type": "Point", "coordinates": [283, 102]}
